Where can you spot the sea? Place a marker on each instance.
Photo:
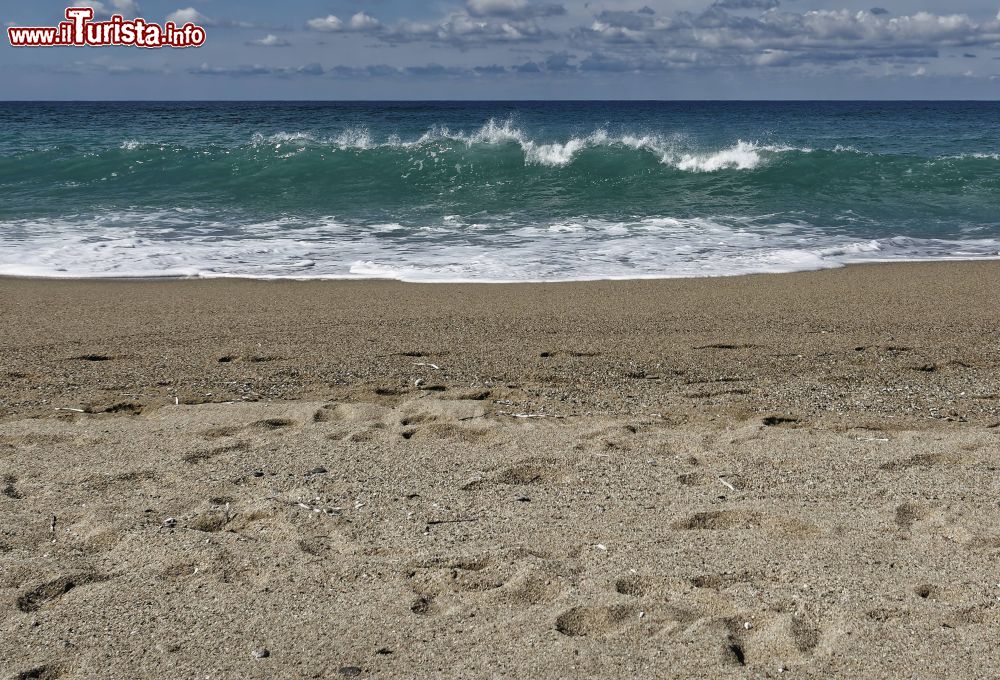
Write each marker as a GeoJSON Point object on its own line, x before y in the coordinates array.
{"type": "Point", "coordinates": [492, 191]}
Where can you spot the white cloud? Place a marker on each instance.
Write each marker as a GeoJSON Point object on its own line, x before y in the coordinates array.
{"type": "Point", "coordinates": [364, 22]}
{"type": "Point", "coordinates": [512, 9]}
{"type": "Point", "coordinates": [485, 8]}
{"type": "Point", "coordinates": [270, 40]}
{"type": "Point", "coordinates": [329, 23]}
{"type": "Point", "coordinates": [360, 22]}
{"type": "Point", "coordinates": [189, 14]}
{"type": "Point", "coordinates": [787, 38]}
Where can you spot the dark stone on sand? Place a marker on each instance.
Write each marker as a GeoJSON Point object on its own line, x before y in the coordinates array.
{"type": "Point", "coordinates": [320, 470]}
{"type": "Point", "coordinates": [350, 671]}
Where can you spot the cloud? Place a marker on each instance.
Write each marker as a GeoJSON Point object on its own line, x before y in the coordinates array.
{"type": "Point", "coordinates": [329, 23]}
{"type": "Point", "coordinates": [462, 30]}
{"type": "Point", "coordinates": [270, 40]}
{"type": "Point", "coordinates": [432, 70]}
{"type": "Point", "coordinates": [718, 37]}
{"type": "Point", "coordinates": [512, 9]}
{"type": "Point", "coordinates": [486, 22]}
{"type": "Point", "coordinates": [746, 4]}
{"type": "Point", "coordinates": [257, 70]}
{"type": "Point", "coordinates": [360, 23]}
{"type": "Point", "coordinates": [105, 67]}
{"type": "Point", "coordinates": [728, 34]}
{"type": "Point", "coordinates": [364, 22]}
{"type": "Point", "coordinates": [189, 15]}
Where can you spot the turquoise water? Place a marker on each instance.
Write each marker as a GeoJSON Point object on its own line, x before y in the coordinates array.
{"type": "Point", "coordinates": [492, 191]}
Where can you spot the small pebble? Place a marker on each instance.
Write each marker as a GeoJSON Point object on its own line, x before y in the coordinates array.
{"type": "Point", "coordinates": [258, 473]}
{"type": "Point", "coordinates": [317, 471]}
{"type": "Point", "coordinates": [261, 653]}
{"type": "Point", "coordinates": [170, 522]}
{"type": "Point", "coordinates": [350, 671]}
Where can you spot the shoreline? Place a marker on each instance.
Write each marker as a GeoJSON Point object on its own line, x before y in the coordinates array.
{"type": "Point", "coordinates": [473, 282]}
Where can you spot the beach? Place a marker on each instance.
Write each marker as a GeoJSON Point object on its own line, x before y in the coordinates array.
{"type": "Point", "coordinates": [754, 476]}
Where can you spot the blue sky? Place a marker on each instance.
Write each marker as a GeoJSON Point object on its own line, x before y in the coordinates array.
{"type": "Point", "coordinates": [527, 49]}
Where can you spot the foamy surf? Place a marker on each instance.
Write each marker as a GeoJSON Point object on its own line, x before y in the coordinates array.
{"type": "Point", "coordinates": [149, 245]}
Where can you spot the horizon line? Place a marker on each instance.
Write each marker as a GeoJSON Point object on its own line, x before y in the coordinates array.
{"type": "Point", "coordinates": [489, 101]}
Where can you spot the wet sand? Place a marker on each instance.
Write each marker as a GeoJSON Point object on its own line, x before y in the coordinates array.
{"type": "Point", "coordinates": [747, 477]}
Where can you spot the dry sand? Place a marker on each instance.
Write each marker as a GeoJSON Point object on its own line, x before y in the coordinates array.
{"type": "Point", "coordinates": [765, 476]}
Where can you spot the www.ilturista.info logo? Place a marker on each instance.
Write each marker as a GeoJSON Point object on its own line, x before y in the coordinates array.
{"type": "Point", "coordinates": [79, 31]}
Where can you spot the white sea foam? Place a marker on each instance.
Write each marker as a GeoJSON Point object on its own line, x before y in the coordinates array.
{"type": "Point", "coordinates": [742, 156]}
{"type": "Point", "coordinates": [671, 150]}
{"type": "Point", "coordinates": [977, 155]}
{"type": "Point", "coordinates": [184, 243]}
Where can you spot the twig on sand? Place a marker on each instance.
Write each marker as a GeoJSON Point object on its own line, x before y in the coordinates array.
{"type": "Point", "coordinates": [74, 410]}
{"type": "Point", "coordinates": [435, 522]}
{"type": "Point", "coordinates": [727, 484]}
{"type": "Point", "coordinates": [434, 366]}
{"type": "Point", "coordinates": [527, 415]}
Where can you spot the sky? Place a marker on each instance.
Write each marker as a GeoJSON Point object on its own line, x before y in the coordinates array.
{"type": "Point", "coordinates": [524, 49]}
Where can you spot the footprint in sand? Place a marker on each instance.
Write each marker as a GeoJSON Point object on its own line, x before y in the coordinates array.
{"type": "Point", "coordinates": [118, 408]}
{"type": "Point", "coordinates": [274, 423]}
{"type": "Point", "coordinates": [722, 520]}
{"type": "Point", "coordinates": [770, 641]}
{"type": "Point", "coordinates": [9, 490]}
{"type": "Point", "coordinates": [179, 572]}
{"type": "Point", "coordinates": [521, 578]}
{"type": "Point", "coordinates": [36, 598]}
{"type": "Point", "coordinates": [780, 421]}
{"type": "Point", "coordinates": [528, 472]}
{"type": "Point", "coordinates": [532, 586]}
{"type": "Point", "coordinates": [594, 620]}
{"type": "Point", "coordinates": [458, 575]}
{"type": "Point", "coordinates": [446, 431]}
{"type": "Point", "coordinates": [197, 457]}
{"type": "Point", "coordinates": [723, 581]}
{"type": "Point", "coordinates": [909, 514]}
{"type": "Point", "coordinates": [222, 432]}
{"type": "Point", "coordinates": [922, 460]}
{"type": "Point", "coordinates": [44, 672]}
